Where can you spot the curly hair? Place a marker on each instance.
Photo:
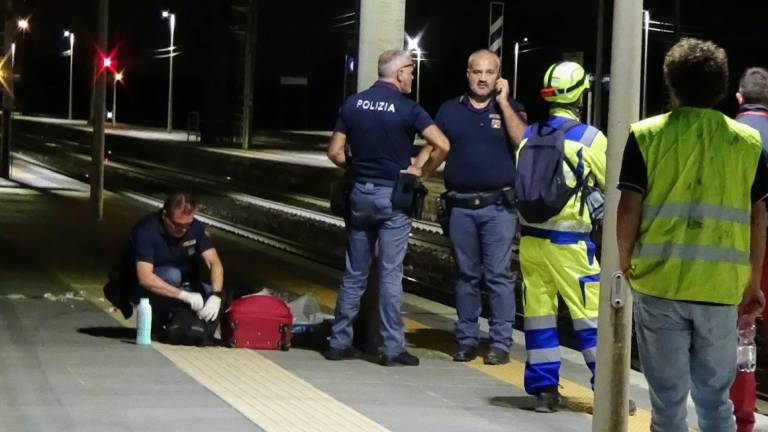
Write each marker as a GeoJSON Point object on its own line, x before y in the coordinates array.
{"type": "Point", "coordinates": [696, 72]}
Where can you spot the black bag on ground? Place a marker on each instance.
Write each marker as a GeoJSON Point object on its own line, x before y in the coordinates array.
{"type": "Point", "coordinates": [186, 328]}
{"type": "Point", "coordinates": [540, 188]}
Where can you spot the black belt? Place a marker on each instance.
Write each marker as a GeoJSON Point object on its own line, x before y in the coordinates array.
{"type": "Point", "coordinates": [474, 200]}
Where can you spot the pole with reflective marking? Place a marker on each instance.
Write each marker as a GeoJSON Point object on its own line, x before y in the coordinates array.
{"type": "Point", "coordinates": [496, 28]}
{"type": "Point", "coordinates": [615, 322]}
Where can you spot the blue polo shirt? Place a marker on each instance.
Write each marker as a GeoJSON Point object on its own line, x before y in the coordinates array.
{"type": "Point", "coordinates": [380, 124]}
{"type": "Point", "coordinates": [150, 243]}
{"type": "Point", "coordinates": [755, 116]}
{"type": "Point", "coordinates": [481, 156]}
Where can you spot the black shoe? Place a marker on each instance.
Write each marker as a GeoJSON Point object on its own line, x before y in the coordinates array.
{"type": "Point", "coordinates": [336, 354]}
{"type": "Point", "coordinates": [496, 356]}
{"type": "Point", "coordinates": [404, 358]}
{"type": "Point", "coordinates": [547, 401]}
{"type": "Point", "coordinates": [465, 353]}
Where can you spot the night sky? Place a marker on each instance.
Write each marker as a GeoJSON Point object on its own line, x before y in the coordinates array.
{"type": "Point", "coordinates": [301, 39]}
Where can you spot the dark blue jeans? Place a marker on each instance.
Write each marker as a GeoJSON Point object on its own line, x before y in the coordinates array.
{"type": "Point", "coordinates": [375, 230]}
{"type": "Point", "coordinates": [482, 245]}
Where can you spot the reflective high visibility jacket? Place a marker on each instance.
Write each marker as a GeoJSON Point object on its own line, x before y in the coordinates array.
{"type": "Point", "coordinates": [585, 147]}
{"type": "Point", "coordinates": [694, 239]}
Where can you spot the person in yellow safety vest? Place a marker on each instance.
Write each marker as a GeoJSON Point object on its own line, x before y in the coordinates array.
{"type": "Point", "coordinates": [691, 237]}
{"type": "Point", "coordinates": [557, 256]}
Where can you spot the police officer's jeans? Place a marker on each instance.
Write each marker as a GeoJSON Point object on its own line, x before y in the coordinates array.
{"type": "Point", "coordinates": [482, 245]}
{"type": "Point", "coordinates": [687, 347]}
{"type": "Point", "coordinates": [372, 219]}
{"type": "Point", "coordinates": [163, 307]}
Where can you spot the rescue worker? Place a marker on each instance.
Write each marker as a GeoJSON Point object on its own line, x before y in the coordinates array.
{"type": "Point", "coordinates": [379, 125]}
{"type": "Point", "coordinates": [483, 126]}
{"type": "Point", "coordinates": [557, 256]}
{"type": "Point", "coordinates": [691, 237]}
{"type": "Point", "coordinates": [172, 261]}
{"type": "Point", "coordinates": [753, 111]}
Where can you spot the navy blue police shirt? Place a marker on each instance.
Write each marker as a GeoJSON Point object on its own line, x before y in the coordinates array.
{"type": "Point", "coordinates": [481, 156]}
{"type": "Point", "coordinates": [380, 124]}
{"type": "Point", "coordinates": [755, 116]}
{"type": "Point", "coordinates": [151, 243]}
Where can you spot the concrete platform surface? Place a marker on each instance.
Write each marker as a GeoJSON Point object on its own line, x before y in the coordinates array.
{"type": "Point", "coordinates": [67, 363]}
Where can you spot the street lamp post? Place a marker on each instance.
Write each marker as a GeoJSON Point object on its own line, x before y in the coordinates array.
{"type": "Point", "coordinates": [172, 25]}
{"type": "Point", "coordinates": [413, 46]}
{"type": "Point", "coordinates": [71, 36]}
{"type": "Point", "coordinates": [418, 74]}
{"type": "Point", "coordinates": [514, 76]}
{"type": "Point", "coordinates": [118, 78]}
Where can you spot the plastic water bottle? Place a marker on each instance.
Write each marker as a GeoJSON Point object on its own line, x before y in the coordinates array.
{"type": "Point", "coordinates": [746, 353]}
{"type": "Point", "coordinates": [144, 323]}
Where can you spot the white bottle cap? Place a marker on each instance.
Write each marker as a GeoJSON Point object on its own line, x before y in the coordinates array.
{"type": "Point", "coordinates": [144, 301]}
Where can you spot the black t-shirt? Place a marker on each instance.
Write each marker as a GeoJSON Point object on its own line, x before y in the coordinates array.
{"type": "Point", "coordinates": [151, 243]}
{"type": "Point", "coordinates": [634, 172]}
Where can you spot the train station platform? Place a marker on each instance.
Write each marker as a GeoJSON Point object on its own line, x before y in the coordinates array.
{"type": "Point", "coordinates": [69, 362]}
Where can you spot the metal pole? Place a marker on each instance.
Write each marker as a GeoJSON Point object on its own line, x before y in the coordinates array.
{"type": "Point", "coordinates": [381, 26]}
{"type": "Point", "coordinates": [13, 56]}
{"type": "Point", "coordinates": [646, 24]}
{"type": "Point", "coordinates": [418, 74]}
{"type": "Point", "coordinates": [589, 108]}
{"type": "Point", "coordinates": [599, 49]}
{"type": "Point", "coordinates": [71, 68]}
{"type": "Point", "coordinates": [114, 98]}
{"type": "Point", "coordinates": [100, 100]}
{"type": "Point", "coordinates": [172, 23]}
{"type": "Point", "coordinates": [514, 77]}
{"type": "Point", "coordinates": [250, 36]}
{"type": "Point", "coordinates": [615, 323]}
{"type": "Point", "coordinates": [8, 102]}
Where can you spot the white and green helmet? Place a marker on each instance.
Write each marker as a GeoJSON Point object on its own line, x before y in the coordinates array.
{"type": "Point", "coordinates": [564, 82]}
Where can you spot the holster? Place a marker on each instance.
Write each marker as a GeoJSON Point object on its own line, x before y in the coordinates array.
{"type": "Point", "coordinates": [408, 195]}
{"type": "Point", "coordinates": [339, 199]}
{"type": "Point", "coordinates": [443, 213]}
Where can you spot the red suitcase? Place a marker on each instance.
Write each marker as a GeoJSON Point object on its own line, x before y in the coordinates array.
{"type": "Point", "coordinates": [258, 322]}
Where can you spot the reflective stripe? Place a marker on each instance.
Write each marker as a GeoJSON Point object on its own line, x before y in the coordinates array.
{"type": "Point", "coordinates": [664, 251]}
{"type": "Point", "coordinates": [544, 355]}
{"type": "Point", "coordinates": [584, 324]}
{"type": "Point", "coordinates": [540, 322]}
{"type": "Point", "coordinates": [697, 211]}
{"type": "Point", "coordinates": [590, 355]}
{"type": "Point", "coordinates": [589, 136]}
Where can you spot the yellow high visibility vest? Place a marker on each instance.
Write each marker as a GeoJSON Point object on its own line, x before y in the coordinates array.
{"type": "Point", "coordinates": [694, 240]}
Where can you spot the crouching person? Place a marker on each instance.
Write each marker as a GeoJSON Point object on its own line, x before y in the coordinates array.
{"type": "Point", "coordinates": [172, 261]}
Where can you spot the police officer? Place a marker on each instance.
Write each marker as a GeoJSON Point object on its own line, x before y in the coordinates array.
{"type": "Point", "coordinates": [691, 237]}
{"type": "Point", "coordinates": [172, 261]}
{"type": "Point", "coordinates": [557, 256]}
{"type": "Point", "coordinates": [379, 125]}
{"type": "Point", "coordinates": [483, 126]}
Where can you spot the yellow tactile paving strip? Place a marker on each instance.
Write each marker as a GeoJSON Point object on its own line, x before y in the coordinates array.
{"type": "Point", "coordinates": [265, 393]}
{"type": "Point", "coordinates": [578, 397]}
